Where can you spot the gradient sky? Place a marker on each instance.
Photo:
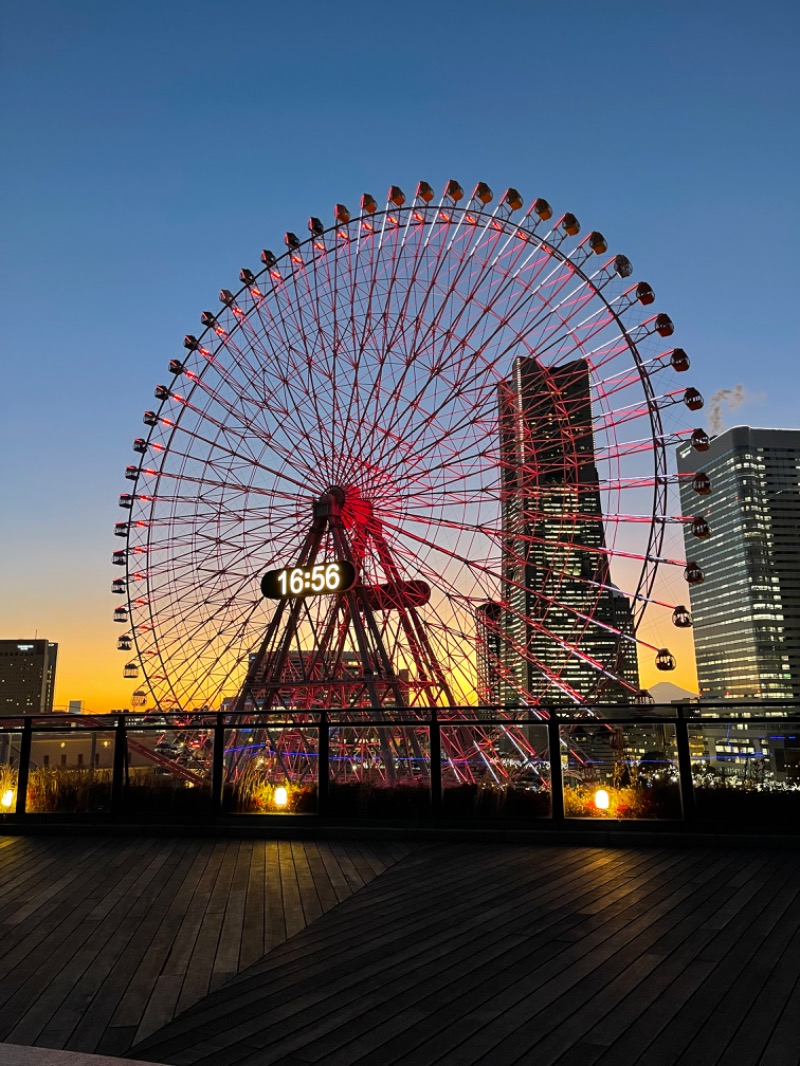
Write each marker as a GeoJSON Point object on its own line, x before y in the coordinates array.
{"type": "Point", "coordinates": [150, 150]}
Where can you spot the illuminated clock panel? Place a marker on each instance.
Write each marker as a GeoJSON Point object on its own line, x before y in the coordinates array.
{"type": "Point", "coordinates": [322, 579]}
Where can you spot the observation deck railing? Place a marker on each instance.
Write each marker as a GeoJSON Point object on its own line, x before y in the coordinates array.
{"type": "Point", "coordinates": [728, 765]}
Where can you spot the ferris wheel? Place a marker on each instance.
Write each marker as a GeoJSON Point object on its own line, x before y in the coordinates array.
{"type": "Point", "coordinates": [441, 427]}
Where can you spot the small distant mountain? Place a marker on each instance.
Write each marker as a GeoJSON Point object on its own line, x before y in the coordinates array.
{"type": "Point", "coordinates": [666, 692]}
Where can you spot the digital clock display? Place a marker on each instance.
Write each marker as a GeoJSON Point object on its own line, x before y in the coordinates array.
{"type": "Point", "coordinates": [322, 579]}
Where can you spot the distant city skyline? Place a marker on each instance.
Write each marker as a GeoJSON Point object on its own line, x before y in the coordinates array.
{"type": "Point", "coordinates": [145, 169]}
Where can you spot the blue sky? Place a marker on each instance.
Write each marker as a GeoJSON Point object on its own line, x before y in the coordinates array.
{"type": "Point", "coordinates": [152, 149]}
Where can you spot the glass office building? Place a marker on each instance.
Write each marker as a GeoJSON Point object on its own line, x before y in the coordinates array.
{"type": "Point", "coordinates": [747, 609]}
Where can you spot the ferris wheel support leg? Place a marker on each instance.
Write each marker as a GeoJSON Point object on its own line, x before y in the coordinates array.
{"type": "Point", "coordinates": [366, 667]}
{"type": "Point", "coordinates": [360, 607]}
{"type": "Point", "coordinates": [410, 738]}
{"type": "Point", "coordinates": [307, 555]}
{"type": "Point", "coordinates": [424, 658]}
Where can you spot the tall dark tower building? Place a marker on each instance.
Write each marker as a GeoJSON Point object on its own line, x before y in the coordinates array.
{"type": "Point", "coordinates": [747, 610]}
{"type": "Point", "coordinates": [27, 676]}
{"type": "Point", "coordinates": [563, 615]}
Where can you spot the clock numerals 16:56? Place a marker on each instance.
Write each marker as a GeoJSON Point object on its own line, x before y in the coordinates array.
{"type": "Point", "coordinates": [318, 580]}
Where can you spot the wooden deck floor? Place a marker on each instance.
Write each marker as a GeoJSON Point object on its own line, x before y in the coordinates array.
{"type": "Point", "coordinates": [195, 952]}
{"type": "Point", "coordinates": [104, 940]}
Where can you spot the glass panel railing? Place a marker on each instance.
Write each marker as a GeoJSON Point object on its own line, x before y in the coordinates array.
{"type": "Point", "coordinates": [271, 768]}
{"type": "Point", "coordinates": [70, 771]}
{"type": "Point", "coordinates": [495, 770]}
{"type": "Point", "coordinates": [379, 770]}
{"type": "Point", "coordinates": [746, 771]}
{"type": "Point", "coordinates": [620, 770]}
{"type": "Point", "coordinates": [168, 771]}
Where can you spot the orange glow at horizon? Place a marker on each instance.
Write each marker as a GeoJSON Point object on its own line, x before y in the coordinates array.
{"type": "Point", "coordinates": [89, 666]}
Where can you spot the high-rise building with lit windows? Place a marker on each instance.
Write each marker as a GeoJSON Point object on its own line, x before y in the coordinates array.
{"type": "Point", "coordinates": [27, 676]}
{"type": "Point", "coordinates": [565, 625]}
{"type": "Point", "coordinates": [747, 609]}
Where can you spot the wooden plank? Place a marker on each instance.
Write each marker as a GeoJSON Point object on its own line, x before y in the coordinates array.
{"type": "Point", "coordinates": [197, 975]}
{"type": "Point", "coordinates": [346, 927]}
{"type": "Point", "coordinates": [226, 961]}
{"type": "Point", "coordinates": [126, 921]}
{"type": "Point", "coordinates": [290, 890]}
{"type": "Point", "coordinates": [571, 981]}
{"type": "Point", "coordinates": [253, 926]}
{"type": "Point", "coordinates": [336, 875]}
{"type": "Point", "coordinates": [309, 897]}
{"type": "Point", "coordinates": [23, 866]}
{"type": "Point", "coordinates": [349, 869]}
{"type": "Point", "coordinates": [161, 1006]}
{"type": "Point", "coordinates": [275, 919]}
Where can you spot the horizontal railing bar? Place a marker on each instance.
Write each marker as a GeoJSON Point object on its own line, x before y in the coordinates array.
{"type": "Point", "coordinates": [354, 718]}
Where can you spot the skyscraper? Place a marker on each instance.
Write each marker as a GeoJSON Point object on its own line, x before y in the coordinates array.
{"type": "Point", "coordinates": [27, 676]}
{"type": "Point", "coordinates": [747, 609]}
{"type": "Point", "coordinates": [563, 616]}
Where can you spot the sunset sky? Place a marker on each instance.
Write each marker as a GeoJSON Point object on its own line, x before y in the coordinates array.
{"type": "Point", "coordinates": [152, 149]}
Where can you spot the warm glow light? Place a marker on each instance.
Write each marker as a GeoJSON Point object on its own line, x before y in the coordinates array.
{"type": "Point", "coordinates": [7, 799]}
{"type": "Point", "coordinates": [601, 799]}
{"type": "Point", "coordinates": [281, 797]}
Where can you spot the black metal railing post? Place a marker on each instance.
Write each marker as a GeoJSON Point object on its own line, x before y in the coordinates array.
{"type": "Point", "coordinates": [119, 766]}
{"type": "Point", "coordinates": [436, 765]}
{"type": "Point", "coordinates": [684, 765]}
{"type": "Point", "coordinates": [23, 773]}
{"type": "Point", "coordinates": [218, 766]}
{"type": "Point", "coordinates": [323, 767]}
{"type": "Point", "coordinates": [556, 775]}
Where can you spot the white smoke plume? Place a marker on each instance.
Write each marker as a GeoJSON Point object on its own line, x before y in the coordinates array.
{"type": "Point", "coordinates": [731, 398]}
